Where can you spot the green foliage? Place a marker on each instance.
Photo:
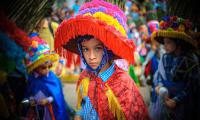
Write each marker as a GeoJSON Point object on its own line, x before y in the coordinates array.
{"type": "Point", "coordinates": [26, 13]}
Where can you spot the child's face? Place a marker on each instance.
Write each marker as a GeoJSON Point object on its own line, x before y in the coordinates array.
{"type": "Point", "coordinates": [43, 70]}
{"type": "Point", "coordinates": [169, 45]}
{"type": "Point", "coordinates": [93, 52]}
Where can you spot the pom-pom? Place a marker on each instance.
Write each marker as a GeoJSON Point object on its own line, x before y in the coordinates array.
{"type": "Point", "coordinates": [170, 29]}
{"type": "Point", "coordinates": [181, 28]}
{"type": "Point", "coordinates": [34, 44]}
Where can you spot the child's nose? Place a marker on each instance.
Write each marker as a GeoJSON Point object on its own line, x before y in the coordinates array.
{"type": "Point", "coordinates": [92, 54]}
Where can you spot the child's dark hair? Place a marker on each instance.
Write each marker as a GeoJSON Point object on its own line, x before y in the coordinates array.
{"type": "Point", "coordinates": [84, 37]}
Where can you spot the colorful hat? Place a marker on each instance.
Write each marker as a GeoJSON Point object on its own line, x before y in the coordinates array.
{"type": "Point", "coordinates": [174, 27]}
{"type": "Point", "coordinates": [102, 20]}
{"type": "Point", "coordinates": [39, 53]}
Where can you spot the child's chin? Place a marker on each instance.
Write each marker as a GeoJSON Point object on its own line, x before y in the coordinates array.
{"type": "Point", "coordinates": [94, 68]}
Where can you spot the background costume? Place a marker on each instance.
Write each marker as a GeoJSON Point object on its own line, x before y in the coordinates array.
{"type": "Point", "coordinates": [178, 74]}
{"type": "Point", "coordinates": [49, 86]}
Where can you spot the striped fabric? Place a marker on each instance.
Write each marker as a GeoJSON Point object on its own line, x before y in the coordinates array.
{"type": "Point", "coordinates": [88, 112]}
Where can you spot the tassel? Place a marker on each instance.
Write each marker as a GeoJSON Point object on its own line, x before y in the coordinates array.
{"type": "Point", "coordinates": [82, 91]}
{"type": "Point", "coordinates": [51, 111]}
{"type": "Point", "coordinates": [114, 105]}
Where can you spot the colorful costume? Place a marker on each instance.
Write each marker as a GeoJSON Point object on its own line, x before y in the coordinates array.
{"type": "Point", "coordinates": [179, 74]}
{"type": "Point", "coordinates": [49, 86]}
{"type": "Point", "coordinates": [111, 94]}
{"type": "Point", "coordinates": [44, 87]}
{"type": "Point", "coordinates": [108, 97]}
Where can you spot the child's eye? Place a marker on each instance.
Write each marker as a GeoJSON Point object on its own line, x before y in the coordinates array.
{"type": "Point", "coordinates": [98, 48]}
{"type": "Point", "coordinates": [84, 49]}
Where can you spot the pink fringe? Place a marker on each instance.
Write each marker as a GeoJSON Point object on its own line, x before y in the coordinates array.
{"type": "Point", "coordinates": [98, 3]}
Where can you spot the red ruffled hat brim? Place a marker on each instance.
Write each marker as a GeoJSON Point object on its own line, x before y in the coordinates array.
{"type": "Point", "coordinates": [66, 33]}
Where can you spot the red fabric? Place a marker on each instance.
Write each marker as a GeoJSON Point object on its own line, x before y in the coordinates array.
{"type": "Point", "coordinates": [50, 107]}
{"type": "Point", "coordinates": [123, 88]}
{"type": "Point", "coordinates": [148, 68]}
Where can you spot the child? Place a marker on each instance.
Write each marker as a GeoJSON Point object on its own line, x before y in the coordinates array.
{"type": "Point", "coordinates": [44, 88]}
{"type": "Point", "coordinates": [104, 90]}
{"type": "Point", "coordinates": [178, 72]}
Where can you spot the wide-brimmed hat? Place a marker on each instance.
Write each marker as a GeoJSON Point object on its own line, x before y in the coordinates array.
{"type": "Point", "coordinates": [39, 53]}
{"type": "Point", "coordinates": [104, 21]}
{"type": "Point", "coordinates": [174, 27]}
